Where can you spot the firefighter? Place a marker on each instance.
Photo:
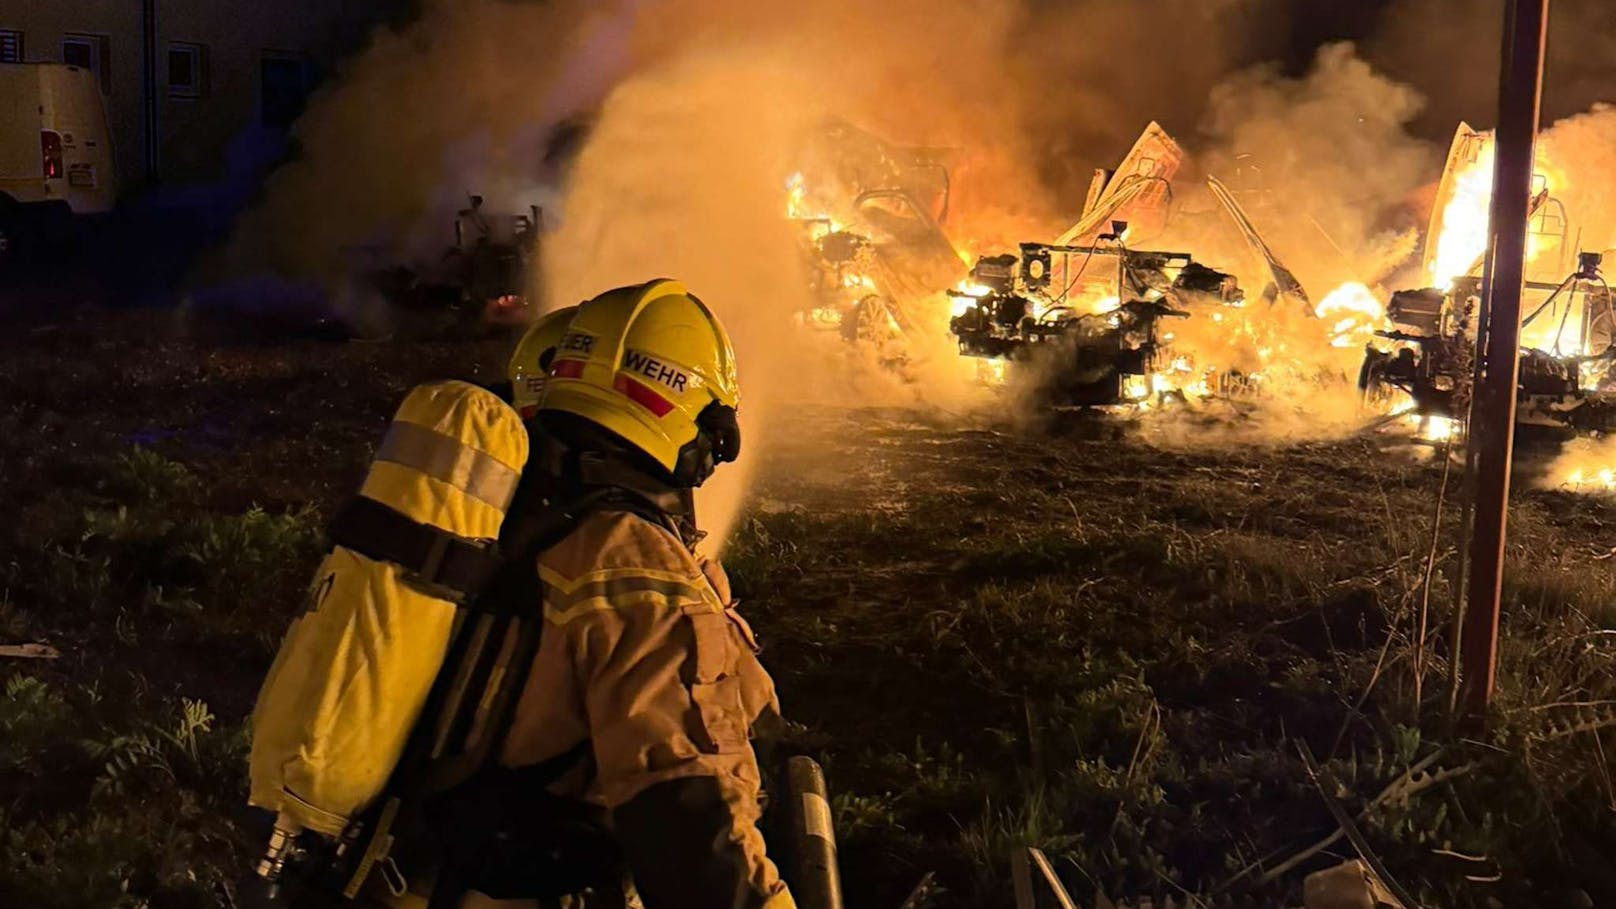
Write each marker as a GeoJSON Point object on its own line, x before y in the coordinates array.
{"type": "Point", "coordinates": [646, 682]}
{"type": "Point", "coordinates": [530, 364]}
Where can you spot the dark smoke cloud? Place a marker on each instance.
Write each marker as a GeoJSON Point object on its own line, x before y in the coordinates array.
{"type": "Point", "coordinates": [459, 99]}
{"type": "Point", "coordinates": [1449, 50]}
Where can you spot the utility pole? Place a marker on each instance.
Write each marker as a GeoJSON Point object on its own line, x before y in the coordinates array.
{"type": "Point", "coordinates": [148, 88]}
{"type": "Point", "coordinates": [1492, 409]}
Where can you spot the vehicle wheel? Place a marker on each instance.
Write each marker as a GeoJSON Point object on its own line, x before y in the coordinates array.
{"type": "Point", "coordinates": [12, 236]}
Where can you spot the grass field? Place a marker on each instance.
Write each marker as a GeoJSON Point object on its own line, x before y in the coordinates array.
{"type": "Point", "coordinates": [990, 636]}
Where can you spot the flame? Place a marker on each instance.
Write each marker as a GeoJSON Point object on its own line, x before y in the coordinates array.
{"type": "Point", "coordinates": [965, 295]}
{"type": "Point", "coordinates": [1592, 479]}
{"type": "Point", "coordinates": [1464, 221]}
{"type": "Point", "coordinates": [820, 222]}
{"type": "Point", "coordinates": [1586, 465]}
{"type": "Point", "coordinates": [796, 193]}
{"type": "Point", "coordinates": [1352, 313]}
{"type": "Point", "coordinates": [1181, 380]}
{"type": "Point", "coordinates": [1592, 375]}
{"type": "Point", "coordinates": [1559, 329]}
{"type": "Point", "coordinates": [1435, 428]}
{"type": "Point", "coordinates": [1466, 217]}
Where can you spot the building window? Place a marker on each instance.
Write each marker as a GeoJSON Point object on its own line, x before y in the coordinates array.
{"type": "Point", "coordinates": [10, 46]}
{"type": "Point", "coordinates": [283, 88]}
{"type": "Point", "coordinates": [187, 70]}
{"type": "Point", "coordinates": [91, 52]}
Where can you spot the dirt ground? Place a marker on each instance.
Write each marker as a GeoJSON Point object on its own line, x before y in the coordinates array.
{"type": "Point", "coordinates": [992, 636]}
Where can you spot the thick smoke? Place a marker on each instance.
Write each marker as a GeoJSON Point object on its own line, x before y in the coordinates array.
{"type": "Point", "coordinates": [1336, 162]}
{"type": "Point", "coordinates": [683, 175]}
{"type": "Point", "coordinates": [1581, 152]}
{"type": "Point", "coordinates": [459, 101]}
{"type": "Point", "coordinates": [697, 109]}
{"type": "Point", "coordinates": [1033, 94]}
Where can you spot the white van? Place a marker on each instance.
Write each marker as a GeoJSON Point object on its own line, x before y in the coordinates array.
{"type": "Point", "coordinates": [56, 155]}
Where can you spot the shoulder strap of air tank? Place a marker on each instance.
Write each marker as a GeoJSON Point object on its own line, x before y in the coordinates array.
{"type": "Point", "coordinates": [514, 593]}
{"type": "Point", "coordinates": [473, 653]}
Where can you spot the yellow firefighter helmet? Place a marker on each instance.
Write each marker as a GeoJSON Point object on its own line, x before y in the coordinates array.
{"type": "Point", "coordinates": [529, 368]}
{"type": "Point", "coordinates": [651, 364]}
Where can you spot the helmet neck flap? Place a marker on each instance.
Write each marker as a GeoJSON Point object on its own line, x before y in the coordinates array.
{"type": "Point", "coordinates": [578, 456]}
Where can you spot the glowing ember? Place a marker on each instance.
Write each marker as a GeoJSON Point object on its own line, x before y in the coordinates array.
{"type": "Point", "coordinates": [1601, 480]}
{"type": "Point", "coordinates": [965, 295]}
{"type": "Point", "coordinates": [1352, 313]}
{"type": "Point", "coordinates": [1437, 428]}
{"type": "Point", "coordinates": [1586, 465]}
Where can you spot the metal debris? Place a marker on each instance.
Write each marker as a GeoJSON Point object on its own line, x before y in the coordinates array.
{"type": "Point", "coordinates": [29, 651]}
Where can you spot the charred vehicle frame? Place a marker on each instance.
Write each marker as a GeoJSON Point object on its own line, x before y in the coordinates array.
{"type": "Point", "coordinates": [1432, 351]}
{"type": "Point", "coordinates": [1100, 329]}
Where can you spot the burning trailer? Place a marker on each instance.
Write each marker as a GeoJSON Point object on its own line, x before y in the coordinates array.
{"type": "Point", "coordinates": [1424, 361]}
{"type": "Point", "coordinates": [1093, 316]}
{"type": "Point", "coordinates": [1097, 315]}
{"type": "Point", "coordinates": [1566, 385]}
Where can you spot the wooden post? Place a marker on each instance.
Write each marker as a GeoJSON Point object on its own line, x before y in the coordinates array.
{"type": "Point", "coordinates": [1492, 415]}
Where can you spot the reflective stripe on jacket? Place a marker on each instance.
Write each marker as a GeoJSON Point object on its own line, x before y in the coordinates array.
{"type": "Point", "coordinates": [643, 656]}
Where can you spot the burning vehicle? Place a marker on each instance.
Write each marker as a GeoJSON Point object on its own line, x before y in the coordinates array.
{"type": "Point", "coordinates": [871, 216]}
{"type": "Point", "coordinates": [1140, 192]}
{"type": "Point", "coordinates": [1097, 314]}
{"type": "Point", "coordinates": [1566, 381]}
{"type": "Point", "coordinates": [1094, 315]}
{"type": "Point", "coordinates": [480, 279]}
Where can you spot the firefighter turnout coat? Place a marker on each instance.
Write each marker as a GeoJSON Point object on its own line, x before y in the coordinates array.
{"type": "Point", "coordinates": [644, 657]}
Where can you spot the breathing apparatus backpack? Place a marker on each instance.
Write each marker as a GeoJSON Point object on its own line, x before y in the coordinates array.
{"type": "Point", "coordinates": [399, 678]}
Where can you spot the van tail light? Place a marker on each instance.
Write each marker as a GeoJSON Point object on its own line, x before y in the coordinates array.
{"type": "Point", "coordinates": [50, 148]}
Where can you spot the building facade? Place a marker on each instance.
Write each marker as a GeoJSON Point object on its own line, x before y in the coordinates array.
{"type": "Point", "coordinates": [189, 83]}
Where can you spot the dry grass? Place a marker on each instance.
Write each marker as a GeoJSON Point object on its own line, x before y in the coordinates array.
{"type": "Point", "coordinates": [990, 638]}
{"type": "Point", "coordinates": [1124, 644]}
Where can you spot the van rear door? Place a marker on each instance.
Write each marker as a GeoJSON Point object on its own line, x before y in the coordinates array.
{"type": "Point", "coordinates": [22, 175]}
{"type": "Point", "coordinates": [71, 98]}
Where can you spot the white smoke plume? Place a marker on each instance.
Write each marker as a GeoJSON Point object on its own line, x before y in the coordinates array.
{"type": "Point", "coordinates": [696, 110]}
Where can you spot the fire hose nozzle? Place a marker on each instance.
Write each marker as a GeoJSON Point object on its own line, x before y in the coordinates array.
{"type": "Point", "coordinates": [282, 848]}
